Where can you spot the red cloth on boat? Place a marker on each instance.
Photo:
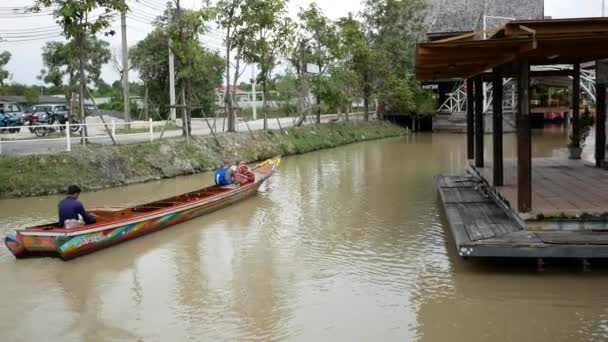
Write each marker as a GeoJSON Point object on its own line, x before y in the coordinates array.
{"type": "Point", "coordinates": [243, 175]}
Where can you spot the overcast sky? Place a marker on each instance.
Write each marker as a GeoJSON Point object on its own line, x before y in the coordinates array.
{"type": "Point", "coordinates": [26, 62]}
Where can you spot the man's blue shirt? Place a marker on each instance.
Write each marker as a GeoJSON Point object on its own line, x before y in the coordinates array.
{"type": "Point", "coordinates": [70, 209]}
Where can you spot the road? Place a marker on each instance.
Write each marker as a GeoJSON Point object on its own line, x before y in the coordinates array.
{"type": "Point", "coordinates": [26, 143]}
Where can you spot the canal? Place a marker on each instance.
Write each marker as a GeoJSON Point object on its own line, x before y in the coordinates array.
{"type": "Point", "coordinates": [347, 244]}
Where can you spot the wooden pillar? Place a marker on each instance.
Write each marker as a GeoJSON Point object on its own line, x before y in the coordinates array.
{"type": "Point", "coordinates": [470, 120]}
{"type": "Point", "coordinates": [524, 139]}
{"type": "Point", "coordinates": [600, 124]}
{"type": "Point", "coordinates": [479, 122]}
{"type": "Point", "coordinates": [576, 100]}
{"type": "Point", "coordinates": [498, 177]}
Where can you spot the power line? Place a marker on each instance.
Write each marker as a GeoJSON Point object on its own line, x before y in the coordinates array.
{"type": "Point", "coordinates": [144, 4]}
{"type": "Point", "coordinates": [3, 41]}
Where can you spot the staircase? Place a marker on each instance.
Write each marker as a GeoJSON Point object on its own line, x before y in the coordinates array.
{"type": "Point", "coordinates": [457, 122]}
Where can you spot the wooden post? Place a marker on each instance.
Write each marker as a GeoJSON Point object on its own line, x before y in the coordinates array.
{"type": "Point", "coordinates": [600, 125]}
{"type": "Point", "coordinates": [479, 130]}
{"type": "Point", "coordinates": [470, 120]}
{"type": "Point", "coordinates": [498, 178]}
{"type": "Point", "coordinates": [524, 139]}
{"type": "Point", "coordinates": [576, 100]}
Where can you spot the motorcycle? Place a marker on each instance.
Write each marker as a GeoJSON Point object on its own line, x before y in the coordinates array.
{"type": "Point", "coordinates": [43, 123]}
{"type": "Point", "coordinates": [9, 123]}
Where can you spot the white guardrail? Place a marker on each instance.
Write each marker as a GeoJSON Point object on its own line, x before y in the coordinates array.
{"type": "Point", "coordinates": [69, 135]}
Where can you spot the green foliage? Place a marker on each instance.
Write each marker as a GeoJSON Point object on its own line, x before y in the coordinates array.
{"type": "Point", "coordinates": [264, 36]}
{"type": "Point", "coordinates": [149, 58]}
{"type": "Point", "coordinates": [397, 95]}
{"type": "Point", "coordinates": [392, 29]}
{"type": "Point", "coordinates": [19, 89]}
{"type": "Point", "coordinates": [31, 96]}
{"type": "Point", "coordinates": [75, 17]}
{"type": "Point", "coordinates": [61, 61]}
{"type": "Point", "coordinates": [340, 89]}
{"type": "Point", "coordinates": [5, 57]}
{"type": "Point", "coordinates": [424, 101]}
{"type": "Point", "coordinates": [357, 54]}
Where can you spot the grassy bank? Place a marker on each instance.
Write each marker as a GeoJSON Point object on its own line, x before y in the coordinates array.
{"type": "Point", "coordinates": [100, 167]}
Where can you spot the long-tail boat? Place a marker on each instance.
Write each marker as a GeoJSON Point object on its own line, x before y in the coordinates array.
{"type": "Point", "coordinates": [116, 225]}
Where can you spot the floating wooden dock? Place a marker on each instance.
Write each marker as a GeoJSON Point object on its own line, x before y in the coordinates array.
{"type": "Point", "coordinates": [483, 226]}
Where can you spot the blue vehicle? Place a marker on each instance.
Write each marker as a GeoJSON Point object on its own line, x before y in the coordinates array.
{"type": "Point", "coordinates": [9, 123]}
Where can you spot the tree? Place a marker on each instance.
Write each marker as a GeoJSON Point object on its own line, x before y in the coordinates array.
{"type": "Point", "coordinates": [76, 20]}
{"type": "Point", "coordinates": [264, 37]}
{"type": "Point", "coordinates": [149, 58]}
{"type": "Point", "coordinates": [62, 61]}
{"type": "Point", "coordinates": [340, 89]}
{"type": "Point", "coordinates": [356, 54]}
{"type": "Point", "coordinates": [229, 15]}
{"type": "Point", "coordinates": [5, 57]}
{"type": "Point", "coordinates": [393, 28]}
{"type": "Point", "coordinates": [321, 39]}
{"type": "Point", "coordinates": [184, 30]}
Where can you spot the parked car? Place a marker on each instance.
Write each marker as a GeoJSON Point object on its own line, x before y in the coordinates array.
{"type": "Point", "coordinates": [59, 110]}
{"type": "Point", "coordinates": [13, 109]}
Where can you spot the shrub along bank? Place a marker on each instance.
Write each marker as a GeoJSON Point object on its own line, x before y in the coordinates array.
{"type": "Point", "coordinates": [97, 167]}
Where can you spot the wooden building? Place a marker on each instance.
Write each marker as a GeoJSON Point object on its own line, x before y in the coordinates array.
{"type": "Point", "coordinates": [524, 207]}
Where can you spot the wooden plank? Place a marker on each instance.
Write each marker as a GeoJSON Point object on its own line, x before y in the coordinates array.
{"type": "Point", "coordinates": [456, 181]}
{"type": "Point", "coordinates": [463, 195]}
{"type": "Point", "coordinates": [574, 237]}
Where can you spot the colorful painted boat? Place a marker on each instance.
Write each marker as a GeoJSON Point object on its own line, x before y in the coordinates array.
{"type": "Point", "coordinates": [116, 225]}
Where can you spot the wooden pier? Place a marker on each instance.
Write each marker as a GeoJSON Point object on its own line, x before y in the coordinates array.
{"type": "Point", "coordinates": [482, 226]}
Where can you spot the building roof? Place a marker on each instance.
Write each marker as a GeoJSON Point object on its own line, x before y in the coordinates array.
{"type": "Point", "coordinates": [22, 99]}
{"type": "Point", "coordinates": [559, 41]}
{"type": "Point", "coordinates": [467, 15]}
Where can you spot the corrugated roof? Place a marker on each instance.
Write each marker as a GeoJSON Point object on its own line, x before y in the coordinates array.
{"type": "Point", "coordinates": [561, 41]}
{"type": "Point", "coordinates": [467, 15]}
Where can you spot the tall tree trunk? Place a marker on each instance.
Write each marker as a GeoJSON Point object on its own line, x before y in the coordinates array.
{"type": "Point", "coordinates": [265, 91]}
{"type": "Point", "coordinates": [83, 130]}
{"type": "Point", "coordinates": [234, 103]}
{"type": "Point", "coordinates": [318, 95]}
{"type": "Point", "coordinates": [228, 106]}
{"type": "Point", "coordinates": [189, 105]}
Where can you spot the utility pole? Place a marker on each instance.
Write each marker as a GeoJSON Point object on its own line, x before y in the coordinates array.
{"type": "Point", "coordinates": [603, 8]}
{"type": "Point", "coordinates": [253, 94]}
{"type": "Point", "coordinates": [125, 69]}
{"type": "Point", "coordinates": [173, 115]}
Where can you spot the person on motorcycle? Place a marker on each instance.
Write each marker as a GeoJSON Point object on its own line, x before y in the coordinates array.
{"type": "Point", "coordinates": [71, 210]}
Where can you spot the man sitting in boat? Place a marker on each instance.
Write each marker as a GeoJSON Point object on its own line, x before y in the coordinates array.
{"type": "Point", "coordinates": [225, 175]}
{"type": "Point", "coordinates": [71, 211]}
{"type": "Point", "coordinates": [244, 174]}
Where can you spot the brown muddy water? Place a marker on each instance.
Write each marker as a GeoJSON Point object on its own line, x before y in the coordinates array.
{"type": "Point", "coordinates": [347, 244]}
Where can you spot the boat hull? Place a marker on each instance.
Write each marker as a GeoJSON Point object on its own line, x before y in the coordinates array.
{"type": "Point", "coordinates": [72, 247]}
{"type": "Point", "coordinates": [69, 245]}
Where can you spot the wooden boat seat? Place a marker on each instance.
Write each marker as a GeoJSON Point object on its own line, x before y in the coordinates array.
{"type": "Point", "coordinates": [111, 214]}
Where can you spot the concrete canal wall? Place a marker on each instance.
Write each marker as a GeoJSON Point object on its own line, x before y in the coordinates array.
{"type": "Point", "coordinates": [97, 167]}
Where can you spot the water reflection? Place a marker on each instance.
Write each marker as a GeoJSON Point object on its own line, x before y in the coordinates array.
{"type": "Point", "coordinates": [346, 244]}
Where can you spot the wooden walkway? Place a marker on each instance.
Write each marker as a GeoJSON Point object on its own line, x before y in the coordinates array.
{"type": "Point", "coordinates": [560, 187]}
{"type": "Point", "coordinates": [482, 228]}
